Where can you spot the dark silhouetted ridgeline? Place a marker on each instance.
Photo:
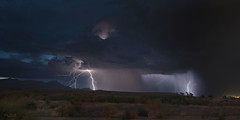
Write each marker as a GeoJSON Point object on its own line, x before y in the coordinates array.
{"type": "Point", "coordinates": [31, 84]}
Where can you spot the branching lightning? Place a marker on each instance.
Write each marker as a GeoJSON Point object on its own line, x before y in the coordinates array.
{"type": "Point", "coordinates": [77, 71]}
{"type": "Point", "coordinates": [189, 78]}
{"type": "Point", "coordinates": [188, 86]}
{"type": "Point", "coordinates": [91, 78]}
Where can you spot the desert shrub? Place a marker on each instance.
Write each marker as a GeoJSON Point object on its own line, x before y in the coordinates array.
{"type": "Point", "coordinates": [131, 100]}
{"type": "Point", "coordinates": [159, 109]}
{"type": "Point", "coordinates": [175, 99]}
{"type": "Point", "coordinates": [129, 115]}
{"type": "Point", "coordinates": [222, 117]}
{"type": "Point", "coordinates": [143, 100]}
{"type": "Point", "coordinates": [218, 113]}
{"type": "Point", "coordinates": [54, 98]}
{"type": "Point", "coordinates": [31, 106]}
{"type": "Point", "coordinates": [202, 96]}
{"type": "Point", "coordinates": [142, 112]}
{"type": "Point", "coordinates": [224, 97]}
{"type": "Point", "coordinates": [108, 111]}
{"type": "Point", "coordinates": [199, 101]}
{"type": "Point", "coordinates": [210, 97]}
{"type": "Point", "coordinates": [14, 109]}
{"type": "Point", "coordinates": [189, 94]}
{"type": "Point", "coordinates": [70, 110]}
{"type": "Point", "coordinates": [52, 106]}
{"type": "Point", "coordinates": [65, 110]}
{"type": "Point", "coordinates": [77, 106]}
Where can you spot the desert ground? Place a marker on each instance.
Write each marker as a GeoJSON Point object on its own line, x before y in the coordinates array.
{"type": "Point", "coordinates": [20, 104]}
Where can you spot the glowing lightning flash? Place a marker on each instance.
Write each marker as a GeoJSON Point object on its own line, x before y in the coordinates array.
{"type": "Point", "coordinates": [188, 85]}
{"type": "Point", "coordinates": [91, 78]}
{"type": "Point", "coordinates": [77, 71]}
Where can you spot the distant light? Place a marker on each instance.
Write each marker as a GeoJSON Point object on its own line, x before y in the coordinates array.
{"type": "Point", "coordinates": [103, 29]}
{"type": "Point", "coordinates": [234, 96]}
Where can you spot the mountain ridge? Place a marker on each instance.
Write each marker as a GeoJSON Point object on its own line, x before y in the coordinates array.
{"type": "Point", "coordinates": [31, 84]}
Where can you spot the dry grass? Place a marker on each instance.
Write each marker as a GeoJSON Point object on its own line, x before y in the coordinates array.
{"type": "Point", "coordinates": [158, 109]}
{"type": "Point", "coordinates": [100, 104]}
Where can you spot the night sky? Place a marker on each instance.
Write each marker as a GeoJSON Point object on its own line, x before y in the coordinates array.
{"type": "Point", "coordinates": [122, 39]}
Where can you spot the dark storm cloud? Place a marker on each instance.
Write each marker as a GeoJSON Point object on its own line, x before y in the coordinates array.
{"type": "Point", "coordinates": [152, 35]}
{"type": "Point", "coordinates": [45, 24]}
{"type": "Point", "coordinates": [202, 35]}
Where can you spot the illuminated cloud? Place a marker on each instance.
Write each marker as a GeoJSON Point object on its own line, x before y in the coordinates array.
{"type": "Point", "coordinates": [45, 58]}
{"type": "Point", "coordinates": [176, 83]}
{"type": "Point", "coordinates": [103, 29]}
{"type": "Point", "coordinates": [27, 60]}
{"type": "Point", "coordinates": [8, 55]}
{"type": "Point", "coordinates": [3, 78]}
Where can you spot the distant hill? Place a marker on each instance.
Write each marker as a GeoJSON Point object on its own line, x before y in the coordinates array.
{"type": "Point", "coordinates": [31, 84]}
{"type": "Point", "coordinates": [84, 89]}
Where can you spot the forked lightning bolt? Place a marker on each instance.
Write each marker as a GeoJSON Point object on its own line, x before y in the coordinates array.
{"type": "Point", "coordinates": [78, 72]}
{"type": "Point", "coordinates": [188, 86]}
{"type": "Point", "coordinates": [92, 79]}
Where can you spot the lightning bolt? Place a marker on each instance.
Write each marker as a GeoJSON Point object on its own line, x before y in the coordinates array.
{"type": "Point", "coordinates": [77, 71]}
{"type": "Point", "coordinates": [73, 81]}
{"type": "Point", "coordinates": [76, 74]}
{"type": "Point", "coordinates": [92, 79]}
{"type": "Point", "coordinates": [189, 78]}
{"type": "Point", "coordinates": [188, 86]}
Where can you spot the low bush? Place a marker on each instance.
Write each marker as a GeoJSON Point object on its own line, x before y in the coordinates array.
{"type": "Point", "coordinates": [129, 115]}
{"type": "Point", "coordinates": [108, 111]}
{"type": "Point", "coordinates": [73, 109]}
{"type": "Point", "coordinates": [14, 109]}
{"type": "Point", "coordinates": [142, 112]}
{"type": "Point", "coordinates": [159, 109]}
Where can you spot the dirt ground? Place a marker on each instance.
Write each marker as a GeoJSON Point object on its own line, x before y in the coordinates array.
{"type": "Point", "coordinates": [104, 105]}
{"type": "Point", "coordinates": [169, 118]}
{"type": "Point", "coordinates": [182, 112]}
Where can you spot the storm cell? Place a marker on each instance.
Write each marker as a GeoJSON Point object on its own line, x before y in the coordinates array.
{"type": "Point", "coordinates": [174, 83]}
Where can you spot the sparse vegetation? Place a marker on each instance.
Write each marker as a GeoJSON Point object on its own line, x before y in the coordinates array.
{"type": "Point", "coordinates": [18, 104]}
{"type": "Point", "coordinates": [129, 115]}
{"type": "Point", "coordinates": [15, 108]}
{"type": "Point", "coordinates": [158, 109]}
{"type": "Point", "coordinates": [108, 111]}
{"type": "Point", "coordinates": [142, 112]}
